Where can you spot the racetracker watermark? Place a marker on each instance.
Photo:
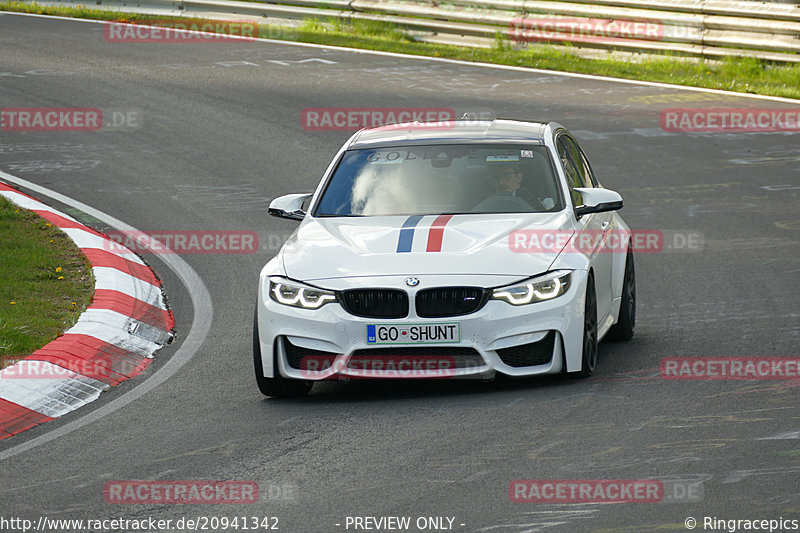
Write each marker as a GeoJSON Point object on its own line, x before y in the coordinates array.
{"type": "Point", "coordinates": [68, 119]}
{"type": "Point", "coordinates": [355, 118]}
{"type": "Point", "coordinates": [181, 31]}
{"type": "Point", "coordinates": [66, 368]}
{"type": "Point", "coordinates": [564, 29]}
{"type": "Point", "coordinates": [730, 368]}
{"type": "Point", "coordinates": [384, 366]}
{"type": "Point", "coordinates": [586, 490]}
{"type": "Point", "coordinates": [729, 119]}
{"type": "Point", "coordinates": [608, 241]}
{"type": "Point", "coordinates": [180, 492]}
{"type": "Point", "coordinates": [182, 242]}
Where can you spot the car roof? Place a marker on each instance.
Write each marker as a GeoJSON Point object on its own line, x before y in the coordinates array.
{"type": "Point", "coordinates": [462, 131]}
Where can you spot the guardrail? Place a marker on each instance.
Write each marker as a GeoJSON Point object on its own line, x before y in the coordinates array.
{"type": "Point", "coordinates": [699, 28]}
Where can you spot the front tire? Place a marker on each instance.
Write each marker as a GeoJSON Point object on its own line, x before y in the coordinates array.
{"type": "Point", "coordinates": [626, 322]}
{"type": "Point", "coordinates": [277, 386]}
{"type": "Point", "coordinates": [590, 348]}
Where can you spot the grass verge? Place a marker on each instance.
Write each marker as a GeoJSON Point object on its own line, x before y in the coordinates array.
{"type": "Point", "coordinates": [745, 75]}
{"type": "Point", "coordinates": [45, 282]}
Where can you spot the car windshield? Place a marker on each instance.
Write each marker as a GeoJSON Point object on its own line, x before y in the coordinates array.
{"type": "Point", "coordinates": [419, 180]}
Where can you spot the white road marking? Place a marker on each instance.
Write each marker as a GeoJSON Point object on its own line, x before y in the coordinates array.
{"type": "Point", "coordinates": [51, 397]}
{"type": "Point", "coordinates": [108, 326]}
{"type": "Point", "coordinates": [789, 435]}
{"type": "Point", "coordinates": [86, 239]}
{"type": "Point", "coordinates": [471, 64]}
{"type": "Point", "coordinates": [116, 280]}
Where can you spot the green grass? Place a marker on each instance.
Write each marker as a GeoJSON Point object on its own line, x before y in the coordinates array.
{"type": "Point", "coordinates": [733, 74]}
{"type": "Point", "coordinates": [45, 282]}
{"type": "Point", "coordinates": [748, 75]}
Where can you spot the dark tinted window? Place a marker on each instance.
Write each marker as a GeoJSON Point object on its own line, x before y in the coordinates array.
{"type": "Point", "coordinates": [572, 171]}
{"type": "Point", "coordinates": [570, 147]}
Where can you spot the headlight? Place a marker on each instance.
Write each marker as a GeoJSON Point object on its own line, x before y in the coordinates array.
{"type": "Point", "coordinates": [538, 289]}
{"type": "Point", "coordinates": [296, 294]}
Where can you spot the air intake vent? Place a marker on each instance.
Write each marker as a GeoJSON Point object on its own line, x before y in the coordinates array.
{"type": "Point", "coordinates": [449, 301]}
{"type": "Point", "coordinates": [531, 354]}
{"type": "Point", "coordinates": [457, 357]}
{"type": "Point", "coordinates": [376, 303]}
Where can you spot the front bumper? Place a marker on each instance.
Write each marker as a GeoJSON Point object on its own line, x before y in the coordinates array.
{"type": "Point", "coordinates": [329, 343]}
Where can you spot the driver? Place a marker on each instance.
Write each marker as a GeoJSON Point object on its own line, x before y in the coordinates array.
{"type": "Point", "coordinates": [508, 195]}
{"type": "Point", "coordinates": [508, 180]}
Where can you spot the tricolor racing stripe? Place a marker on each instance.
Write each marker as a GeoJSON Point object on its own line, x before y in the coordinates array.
{"type": "Point", "coordinates": [435, 233]}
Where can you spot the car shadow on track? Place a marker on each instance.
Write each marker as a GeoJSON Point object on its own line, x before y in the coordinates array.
{"type": "Point", "coordinates": [617, 359]}
{"type": "Point", "coordinates": [357, 391]}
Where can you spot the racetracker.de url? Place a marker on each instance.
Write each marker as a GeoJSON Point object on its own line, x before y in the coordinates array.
{"type": "Point", "coordinates": [177, 525]}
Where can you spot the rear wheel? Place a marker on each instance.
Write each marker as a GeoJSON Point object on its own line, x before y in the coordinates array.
{"type": "Point", "coordinates": [277, 386]}
{"type": "Point", "coordinates": [589, 351]}
{"type": "Point", "coordinates": [626, 322]}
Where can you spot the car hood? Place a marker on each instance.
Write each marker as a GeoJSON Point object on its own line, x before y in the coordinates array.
{"type": "Point", "coordinates": [325, 248]}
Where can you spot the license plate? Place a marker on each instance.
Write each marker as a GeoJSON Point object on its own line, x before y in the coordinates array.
{"type": "Point", "coordinates": [413, 333]}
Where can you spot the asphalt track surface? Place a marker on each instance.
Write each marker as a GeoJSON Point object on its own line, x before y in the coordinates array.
{"type": "Point", "coordinates": [220, 139]}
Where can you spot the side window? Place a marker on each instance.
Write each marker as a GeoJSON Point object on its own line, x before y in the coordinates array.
{"type": "Point", "coordinates": [580, 161]}
{"type": "Point", "coordinates": [571, 171]}
{"type": "Point", "coordinates": [579, 158]}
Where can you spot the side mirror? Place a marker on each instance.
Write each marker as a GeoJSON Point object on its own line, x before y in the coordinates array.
{"type": "Point", "coordinates": [289, 206]}
{"type": "Point", "coordinates": [597, 201]}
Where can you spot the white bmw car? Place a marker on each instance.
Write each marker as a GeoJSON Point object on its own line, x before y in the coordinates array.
{"type": "Point", "coordinates": [446, 250]}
